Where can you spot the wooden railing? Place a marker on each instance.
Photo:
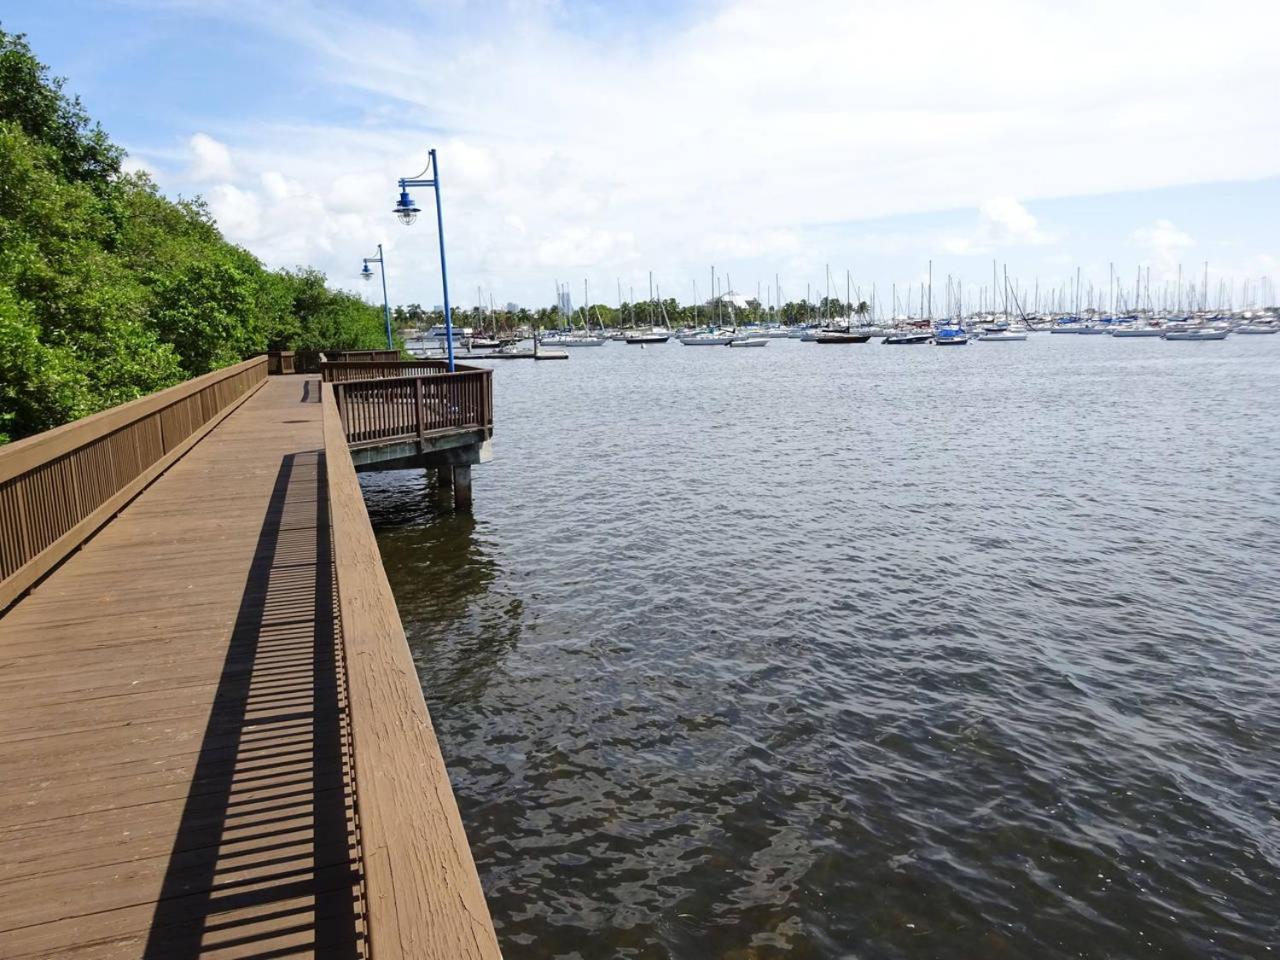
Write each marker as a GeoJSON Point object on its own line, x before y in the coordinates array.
{"type": "Point", "coordinates": [374, 412]}
{"type": "Point", "coordinates": [59, 487]}
{"type": "Point", "coordinates": [360, 356]}
{"type": "Point", "coordinates": [336, 371]}
{"type": "Point", "coordinates": [308, 361]}
{"type": "Point", "coordinates": [423, 896]}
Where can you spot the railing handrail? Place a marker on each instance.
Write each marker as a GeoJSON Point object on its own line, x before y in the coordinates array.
{"type": "Point", "coordinates": [457, 372]}
{"type": "Point", "coordinates": [21, 455]}
{"type": "Point", "coordinates": [376, 367]}
{"type": "Point", "coordinates": [423, 895]}
{"type": "Point", "coordinates": [58, 487]}
{"type": "Point", "coordinates": [392, 409]}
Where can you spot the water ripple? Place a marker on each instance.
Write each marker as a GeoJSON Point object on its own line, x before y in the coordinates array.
{"type": "Point", "coordinates": [864, 653]}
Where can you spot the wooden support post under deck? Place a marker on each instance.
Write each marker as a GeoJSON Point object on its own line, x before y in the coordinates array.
{"type": "Point", "coordinates": [462, 487]}
{"type": "Point", "coordinates": [444, 476]}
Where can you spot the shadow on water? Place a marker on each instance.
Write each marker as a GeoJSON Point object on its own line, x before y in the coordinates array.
{"type": "Point", "coordinates": [443, 574]}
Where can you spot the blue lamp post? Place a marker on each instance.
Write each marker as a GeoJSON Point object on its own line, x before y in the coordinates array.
{"type": "Point", "coordinates": [367, 274]}
{"type": "Point", "coordinates": [408, 212]}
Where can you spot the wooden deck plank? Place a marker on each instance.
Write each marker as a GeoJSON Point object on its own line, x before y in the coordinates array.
{"type": "Point", "coordinates": [174, 775]}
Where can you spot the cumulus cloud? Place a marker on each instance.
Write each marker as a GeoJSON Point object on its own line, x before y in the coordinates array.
{"type": "Point", "coordinates": [1163, 244]}
{"type": "Point", "coordinates": [1002, 222]}
{"type": "Point", "coordinates": [737, 131]}
{"type": "Point", "coordinates": [210, 160]}
{"type": "Point", "coordinates": [132, 164]}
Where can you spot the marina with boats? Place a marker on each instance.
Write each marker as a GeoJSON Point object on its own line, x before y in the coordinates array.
{"type": "Point", "coordinates": [1004, 312]}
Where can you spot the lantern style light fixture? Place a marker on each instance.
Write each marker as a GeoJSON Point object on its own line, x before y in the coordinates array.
{"type": "Point", "coordinates": [405, 208]}
{"type": "Point", "coordinates": [367, 274]}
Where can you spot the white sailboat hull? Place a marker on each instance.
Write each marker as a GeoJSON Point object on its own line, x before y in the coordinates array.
{"type": "Point", "coordinates": [579, 342]}
{"type": "Point", "coordinates": [1196, 335]}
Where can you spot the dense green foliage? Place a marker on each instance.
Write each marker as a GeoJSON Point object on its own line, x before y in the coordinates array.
{"type": "Point", "coordinates": [108, 290]}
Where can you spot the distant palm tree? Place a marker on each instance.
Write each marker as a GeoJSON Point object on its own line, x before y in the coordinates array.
{"type": "Point", "coordinates": [862, 309]}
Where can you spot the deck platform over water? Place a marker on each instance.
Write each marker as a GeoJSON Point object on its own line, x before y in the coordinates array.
{"type": "Point", "coordinates": [195, 759]}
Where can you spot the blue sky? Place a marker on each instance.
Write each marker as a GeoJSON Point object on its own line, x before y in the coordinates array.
{"type": "Point", "coordinates": [602, 140]}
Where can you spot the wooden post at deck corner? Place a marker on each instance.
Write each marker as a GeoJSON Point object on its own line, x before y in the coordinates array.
{"type": "Point", "coordinates": [462, 487]}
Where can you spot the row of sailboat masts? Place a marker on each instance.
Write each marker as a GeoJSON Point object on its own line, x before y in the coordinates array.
{"type": "Point", "coordinates": [655, 300]}
{"type": "Point", "coordinates": [1005, 296]}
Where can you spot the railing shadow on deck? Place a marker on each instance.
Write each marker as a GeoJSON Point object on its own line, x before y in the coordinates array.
{"type": "Point", "coordinates": [263, 861]}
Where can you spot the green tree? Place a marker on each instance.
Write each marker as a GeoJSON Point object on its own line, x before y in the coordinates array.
{"type": "Point", "coordinates": [34, 100]}
{"type": "Point", "coordinates": [109, 290]}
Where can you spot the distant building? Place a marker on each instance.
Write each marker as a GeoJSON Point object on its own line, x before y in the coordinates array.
{"type": "Point", "coordinates": [512, 307]}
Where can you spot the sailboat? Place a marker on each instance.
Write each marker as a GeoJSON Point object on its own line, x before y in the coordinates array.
{"type": "Point", "coordinates": [572, 339]}
{"type": "Point", "coordinates": [1258, 327]}
{"type": "Point", "coordinates": [950, 336]}
{"type": "Point", "coordinates": [1001, 331]}
{"type": "Point", "coordinates": [841, 336]}
{"type": "Point", "coordinates": [1196, 333]}
{"type": "Point", "coordinates": [655, 333]}
{"type": "Point", "coordinates": [712, 336]}
{"type": "Point", "coordinates": [480, 341]}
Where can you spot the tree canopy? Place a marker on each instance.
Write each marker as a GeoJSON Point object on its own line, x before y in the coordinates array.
{"type": "Point", "coordinates": [109, 290]}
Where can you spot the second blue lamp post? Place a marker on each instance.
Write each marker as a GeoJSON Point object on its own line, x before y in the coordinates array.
{"type": "Point", "coordinates": [386, 306]}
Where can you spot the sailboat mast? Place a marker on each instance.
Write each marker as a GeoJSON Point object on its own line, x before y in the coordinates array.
{"type": "Point", "coordinates": [826, 297]}
{"type": "Point", "coordinates": [930, 289]}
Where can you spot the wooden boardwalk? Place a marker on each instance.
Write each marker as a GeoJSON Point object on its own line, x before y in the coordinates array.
{"type": "Point", "coordinates": [175, 766]}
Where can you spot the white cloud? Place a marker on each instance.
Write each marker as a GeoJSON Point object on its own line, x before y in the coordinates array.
{"type": "Point", "coordinates": [1002, 222]}
{"type": "Point", "coordinates": [210, 160]}
{"type": "Point", "coordinates": [132, 164]}
{"type": "Point", "coordinates": [238, 212]}
{"type": "Point", "coordinates": [1162, 245]}
{"type": "Point", "coordinates": [735, 134]}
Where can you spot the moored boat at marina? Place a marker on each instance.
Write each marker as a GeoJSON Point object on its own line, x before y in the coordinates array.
{"type": "Point", "coordinates": [841, 336]}
{"type": "Point", "coordinates": [572, 340]}
{"type": "Point", "coordinates": [906, 338]}
{"type": "Point", "coordinates": [655, 335]}
{"type": "Point", "coordinates": [709, 338]}
{"type": "Point", "coordinates": [1196, 333]}
{"type": "Point", "coordinates": [1002, 335]}
{"type": "Point", "coordinates": [1136, 329]}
